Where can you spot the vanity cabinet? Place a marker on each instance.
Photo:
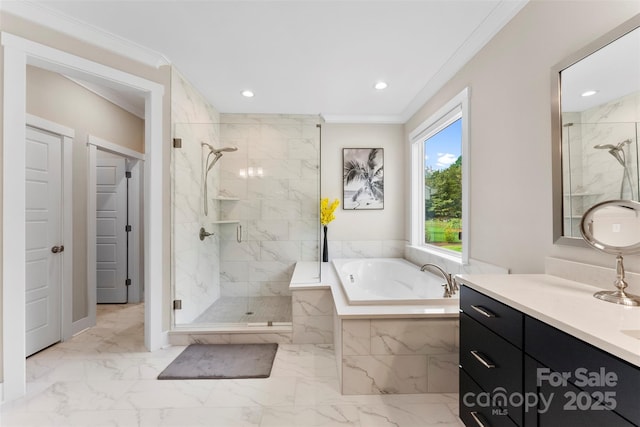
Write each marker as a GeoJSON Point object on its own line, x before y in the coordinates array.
{"type": "Point", "coordinates": [600, 389]}
{"type": "Point", "coordinates": [566, 381]}
{"type": "Point", "coordinates": [490, 360]}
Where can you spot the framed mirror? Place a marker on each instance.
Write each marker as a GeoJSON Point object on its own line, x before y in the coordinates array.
{"type": "Point", "coordinates": [614, 227]}
{"type": "Point", "coordinates": [595, 128]}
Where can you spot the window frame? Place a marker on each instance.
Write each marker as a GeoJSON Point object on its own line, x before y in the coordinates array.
{"type": "Point", "coordinates": [456, 108]}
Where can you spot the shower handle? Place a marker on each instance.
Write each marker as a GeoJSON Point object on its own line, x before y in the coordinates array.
{"type": "Point", "coordinates": [239, 233]}
{"type": "Point", "coordinates": [204, 233]}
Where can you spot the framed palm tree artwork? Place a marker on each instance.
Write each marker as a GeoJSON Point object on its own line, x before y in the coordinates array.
{"type": "Point", "coordinates": [363, 178]}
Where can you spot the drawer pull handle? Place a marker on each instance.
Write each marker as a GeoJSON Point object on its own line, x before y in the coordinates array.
{"type": "Point", "coordinates": [478, 419]}
{"type": "Point", "coordinates": [482, 359]}
{"type": "Point", "coordinates": [483, 311]}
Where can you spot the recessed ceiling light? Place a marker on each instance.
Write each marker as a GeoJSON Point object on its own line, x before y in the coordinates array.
{"type": "Point", "coordinates": [381, 85]}
{"type": "Point", "coordinates": [589, 93]}
{"type": "Point", "coordinates": [247, 93]}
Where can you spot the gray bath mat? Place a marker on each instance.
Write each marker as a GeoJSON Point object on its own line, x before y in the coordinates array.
{"type": "Point", "coordinates": [218, 361]}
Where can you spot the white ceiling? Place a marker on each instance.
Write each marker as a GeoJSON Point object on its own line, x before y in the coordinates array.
{"type": "Point", "coordinates": [299, 57]}
{"type": "Point", "coordinates": [613, 71]}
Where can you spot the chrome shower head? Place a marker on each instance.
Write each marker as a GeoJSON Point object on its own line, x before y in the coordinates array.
{"type": "Point", "coordinates": [616, 151]}
{"type": "Point", "coordinates": [217, 153]}
{"type": "Point", "coordinates": [605, 147]}
{"type": "Point", "coordinates": [209, 146]}
{"type": "Point", "coordinates": [620, 145]}
{"type": "Point", "coordinates": [223, 149]}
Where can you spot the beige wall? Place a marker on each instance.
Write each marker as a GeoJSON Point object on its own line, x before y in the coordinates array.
{"type": "Point", "coordinates": [386, 224]}
{"type": "Point", "coordinates": [58, 99]}
{"type": "Point", "coordinates": [161, 75]}
{"type": "Point", "coordinates": [510, 136]}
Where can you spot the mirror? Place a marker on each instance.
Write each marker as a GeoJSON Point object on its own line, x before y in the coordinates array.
{"type": "Point", "coordinates": [614, 227]}
{"type": "Point", "coordinates": [595, 128]}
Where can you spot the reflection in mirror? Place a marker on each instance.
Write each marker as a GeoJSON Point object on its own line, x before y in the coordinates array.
{"type": "Point", "coordinates": [614, 227]}
{"type": "Point", "coordinates": [596, 127]}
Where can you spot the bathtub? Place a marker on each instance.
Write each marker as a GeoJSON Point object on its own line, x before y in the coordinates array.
{"type": "Point", "coordinates": [382, 281]}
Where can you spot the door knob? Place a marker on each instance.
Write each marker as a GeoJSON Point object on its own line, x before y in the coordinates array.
{"type": "Point", "coordinates": [57, 249]}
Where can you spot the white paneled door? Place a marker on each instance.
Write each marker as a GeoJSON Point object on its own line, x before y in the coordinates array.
{"type": "Point", "coordinates": [111, 237]}
{"type": "Point", "coordinates": [44, 246]}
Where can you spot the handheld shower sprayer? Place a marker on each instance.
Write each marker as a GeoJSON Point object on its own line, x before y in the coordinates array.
{"type": "Point", "coordinates": [617, 151]}
{"type": "Point", "coordinates": [217, 153]}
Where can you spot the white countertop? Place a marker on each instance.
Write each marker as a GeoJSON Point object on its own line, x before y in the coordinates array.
{"type": "Point", "coordinates": [568, 306]}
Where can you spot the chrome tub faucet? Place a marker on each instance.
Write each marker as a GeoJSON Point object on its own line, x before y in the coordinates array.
{"type": "Point", "coordinates": [450, 287]}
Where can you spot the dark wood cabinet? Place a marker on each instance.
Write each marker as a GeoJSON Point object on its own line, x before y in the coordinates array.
{"type": "Point", "coordinates": [490, 358]}
{"type": "Point", "coordinates": [548, 377]}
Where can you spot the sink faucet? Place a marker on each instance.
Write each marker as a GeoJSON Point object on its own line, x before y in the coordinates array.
{"type": "Point", "coordinates": [450, 287]}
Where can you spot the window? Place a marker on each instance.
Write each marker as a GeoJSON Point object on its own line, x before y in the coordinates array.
{"type": "Point", "coordinates": [439, 181]}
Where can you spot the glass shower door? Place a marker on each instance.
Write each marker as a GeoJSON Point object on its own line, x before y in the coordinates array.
{"type": "Point", "coordinates": [262, 202]}
{"type": "Point", "coordinates": [602, 165]}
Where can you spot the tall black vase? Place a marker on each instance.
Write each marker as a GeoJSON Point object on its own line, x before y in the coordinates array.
{"type": "Point", "coordinates": [325, 248]}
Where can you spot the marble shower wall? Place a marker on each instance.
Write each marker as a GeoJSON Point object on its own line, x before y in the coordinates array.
{"type": "Point", "coordinates": [594, 174]}
{"type": "Point", "coordinates": [195, 263]}
{"type": "Point", "coordinates": [275, 176]}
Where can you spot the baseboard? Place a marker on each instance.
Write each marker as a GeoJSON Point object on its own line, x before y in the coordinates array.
{"type": "Point", "coordinates": [81, 325]}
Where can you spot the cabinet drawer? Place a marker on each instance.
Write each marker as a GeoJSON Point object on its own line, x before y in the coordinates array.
{"type": "Point", "coordinates": [501, 319]}
{"type": "Point", "coordinates": [564, 353]}
{"type": "Point", "coordinates": [494, 363]}
{"type": "Point", "coordinates": [474, 415]}
{"type": "Point", "coordinates": [565, 405]}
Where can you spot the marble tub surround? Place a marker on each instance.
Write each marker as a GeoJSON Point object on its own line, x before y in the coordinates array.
{"type": "Point", "coordinates": [380, 349]}
{"type": "Point", "coordinates": [312, 316]}
{"type": "Point", "coordinates": [568, 306]}
{"type": "Point", "coordinates": [91, 380]}
{"type": "Point", "coordinates": [602, 277]}
{"type": "Point", "coordinates": [382, 356]}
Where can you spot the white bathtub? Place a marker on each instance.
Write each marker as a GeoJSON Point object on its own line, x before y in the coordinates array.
{"type": "Point", "coordinates": [381, 281]}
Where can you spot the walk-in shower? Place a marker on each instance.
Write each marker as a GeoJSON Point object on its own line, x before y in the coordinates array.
{"type": "Point", "coordinates": [217, 153]}
{"type": "Point", "coordinates": [262, 194]}
{"type": "Point", "coordinates": [617, 151]}
{"type": "Point", "coordinates": [590, 173]}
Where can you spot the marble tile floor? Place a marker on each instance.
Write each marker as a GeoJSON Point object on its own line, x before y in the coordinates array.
{"type": "Point", "coordinates": [104, 377]}
{"type": "Point", "coordinates": [247, 310]}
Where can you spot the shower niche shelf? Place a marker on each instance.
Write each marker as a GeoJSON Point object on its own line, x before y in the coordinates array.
{"type": "Point", "coordinates": [582, 194]}
{"type": "Point", "coordinates": [226, 221]}
{"type": "Point", "coordinates": [226, 199]}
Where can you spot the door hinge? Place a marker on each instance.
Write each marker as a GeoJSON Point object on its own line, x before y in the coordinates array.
{"type": "Point", "coordinates": [177, 142]}
{"type": "Point", "coordinates": [127, 228]}
{"type": "Point", "coordinates": [127, 282]}
{"type": "Point", "coordinates": [127, 174]}
{"type": "Point", "coordinates": [177, 304]}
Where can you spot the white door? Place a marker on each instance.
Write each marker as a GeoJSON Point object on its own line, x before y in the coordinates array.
{"type": "Point", "coordinates": [111, 237]}
{"type": "Point", "coordinates": [44, 248]}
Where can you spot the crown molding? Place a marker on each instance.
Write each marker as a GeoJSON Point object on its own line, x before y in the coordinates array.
{"type": "Point", "coordinates": [499, 17]}
{"type": "Point", "coordinates": [363, 119]}
{"type": "Point", "coordinates": [47, 17]}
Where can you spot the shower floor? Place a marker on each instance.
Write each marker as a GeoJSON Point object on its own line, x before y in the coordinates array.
{"type": "Point", "coordinates": [247, 310]}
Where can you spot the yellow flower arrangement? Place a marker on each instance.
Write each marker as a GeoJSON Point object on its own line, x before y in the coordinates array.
{"type": "Point", "coordinates": [326, 210]}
